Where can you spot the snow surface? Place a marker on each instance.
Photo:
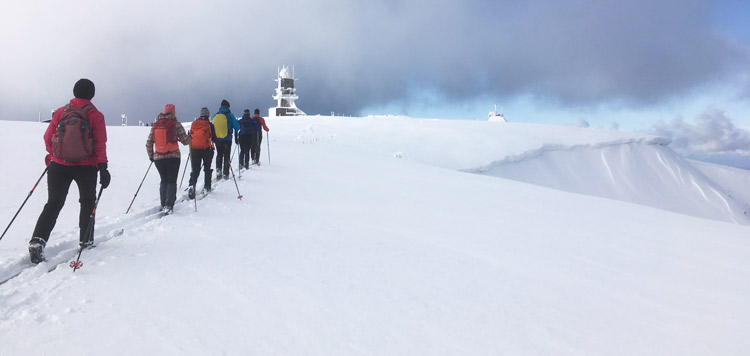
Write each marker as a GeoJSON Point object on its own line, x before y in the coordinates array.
{"type": "Point", "coordinates": [392, 236]}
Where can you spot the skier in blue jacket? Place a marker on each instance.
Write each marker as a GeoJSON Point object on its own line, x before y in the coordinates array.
{"type": "Point", "coordinates": [225, 124]}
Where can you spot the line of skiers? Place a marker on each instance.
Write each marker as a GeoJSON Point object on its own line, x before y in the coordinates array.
{"type": "Point", "coordinates": [167, 131]}
{"type": "Point", "coordinates": [76, 143]}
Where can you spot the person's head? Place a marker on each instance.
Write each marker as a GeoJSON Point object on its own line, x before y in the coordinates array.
{"type": "Point", "coordinates": [224, 103]}
{"type": "Point", "coordinates": [205, 112]}
{"type": "Point", "coordinates": [84, 89]}
{"type": "Point", "coordinates": [169, 109]}
{"type": "Point", "coordinates": [246, 112]}
{"type": "Point", "coordinates": [257, 112]}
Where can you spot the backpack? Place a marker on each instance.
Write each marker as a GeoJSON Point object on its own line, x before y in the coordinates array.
{"type": "Point", "coordinates": [164, 138]}
{"type": "Point", "coordinates": [200, 130]}
{"type": "Point", "coordinates": [221, 125]}
{"type": "Point", "coordinates": [74, 141]}
{"type": "Point", "coordinates": [248, 126]}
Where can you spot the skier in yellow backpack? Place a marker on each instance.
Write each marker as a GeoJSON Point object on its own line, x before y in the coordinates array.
{"type": "Point", "coordinates": [225, 124]}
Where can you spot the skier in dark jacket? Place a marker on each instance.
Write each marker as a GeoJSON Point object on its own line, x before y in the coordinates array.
{"type": "Point", "coordinates": [203, 136]}
{"type": "Point", "coordinates": [248, 134]}
{"type": "Point", "coordinates": [62, 172]}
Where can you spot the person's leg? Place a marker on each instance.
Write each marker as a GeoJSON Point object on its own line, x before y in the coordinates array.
{"type": "Point", "coordinates": [173, 171]}
{"type": "Point", "coordinates": [242, 152]}
{"type": "Point", "coordinates": [227, 158]}
{"type": "Point", "coordinates": [219, 158]}
{"type": "Point", "coordinates": [85, 177]}
{"type": "Point", "coordinates": [162, 167]}
{"type": "Point", "coordinates": [58, 183]}
{"type": "Point", "coordinates": [246, 145]}
{"type": "Point", "coordinates": [260, 140]}
{"type": "Point", "coordinates": [196, 160]}
{"type": "Point", "coordinates": [208, 156]}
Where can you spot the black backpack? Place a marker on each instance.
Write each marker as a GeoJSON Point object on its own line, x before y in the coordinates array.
{"type": "Point", "coordinates": [74, 141]}
{"type": "Point", "coordinates": [248, 126]}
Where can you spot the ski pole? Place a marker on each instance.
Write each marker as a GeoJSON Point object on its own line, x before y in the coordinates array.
{"type": "Point", "coordinates": [239, 161]}
{"type": "Point", "coordinates": [239, 196]}
{"type": "Point", "coordinates": [24, 202]}
{"type": "Point", "coordinates": [77, 263]}
{"type": "Point", "coordinates": [268, 145]}
{"type": "Point", "coordinates": [139, 187]}
{"type": "Point", "coordinates": [184, 170]}
{"type": "Point", "coordinates": [195, 198]}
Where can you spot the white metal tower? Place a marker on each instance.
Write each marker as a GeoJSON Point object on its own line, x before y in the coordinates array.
{"type": "Point", "coordinates": [285, 94]}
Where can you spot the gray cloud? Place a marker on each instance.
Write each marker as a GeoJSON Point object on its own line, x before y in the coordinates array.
{"type": "Point", "coordinates": [713, 133]}
{"type": "Point", "coordinates": [349, 55]}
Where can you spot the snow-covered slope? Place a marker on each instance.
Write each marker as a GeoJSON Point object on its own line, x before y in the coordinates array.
{"type": "Point", "coordinates": [638, 171]}
{"type": "Point", "coordinates": [624, 166]}
{"type": "Point", "coordinates": [375, 236]}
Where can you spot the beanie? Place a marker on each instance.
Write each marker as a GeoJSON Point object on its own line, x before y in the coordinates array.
{"type": "Point", "coordinates": [84, 89]}
{"type": "Point", "coordinates": [247, 111]}
{"type": "Point", "coordinates": [169, 109]}
{"type": "Point", "coordinates": [224, 103]}
{"type": "Point", "coordinates": [257, 112]}
{"type": "Point", "coordinates": [205, 112]}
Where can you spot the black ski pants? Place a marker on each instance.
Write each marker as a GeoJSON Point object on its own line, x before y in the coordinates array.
{"type": "Point", "coordinates": [246, 143]}
{"type": "Point", "coordinates": [223, 156]}
{"type": "Point", "coordinates": [169, 169]}
{"type": "Point", "coordinates": [256, 147]}
{"type": "Point", "coordinates": [59, 178]}
{"type": "Point", "coordinates": [201, 157]}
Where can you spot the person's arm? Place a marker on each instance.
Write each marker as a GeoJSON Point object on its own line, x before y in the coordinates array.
{"type": "Point", "coordinates": [150, 144]}
{"type": "Point", "coordinates": [236, 125]}
{"type": "Point", "coordinates": [51, 129]}
{"type": "Point", "coordinates": [214, 139]}
{"type": "Point", "coordinates": [181, 134]}
{"type": "Point", "coordinates": [99, 128]}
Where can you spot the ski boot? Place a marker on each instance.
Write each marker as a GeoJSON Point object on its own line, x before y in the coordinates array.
{"type": "Point", "coordinates": [36, 250]}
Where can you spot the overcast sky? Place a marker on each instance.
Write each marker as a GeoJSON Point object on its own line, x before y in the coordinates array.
{"type": "Point", "coordinates": [541, 61]}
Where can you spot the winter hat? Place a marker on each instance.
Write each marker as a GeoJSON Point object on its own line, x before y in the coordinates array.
{"type": "Point", "coordinates": [205, 112]}
{"type": "Point", "coordinates": [84, 89]}
{"type": "Point", "coordinates": [247, 111]}
{"type": "Point", "coordinates": [257, 112]}
{"type": "Point", "coordinates": [224, 103]}
{"type": "Point", "coordinates": [169, 109]}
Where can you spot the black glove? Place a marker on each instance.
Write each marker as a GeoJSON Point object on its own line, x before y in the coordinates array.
{"type": "Point", "coordinates": [104, 176]}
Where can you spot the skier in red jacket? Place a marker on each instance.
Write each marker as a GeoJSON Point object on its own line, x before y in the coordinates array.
{"type": "Point", "coordinates": [63, 170]}
{"type": "Point", "coordinates": [256, 144]}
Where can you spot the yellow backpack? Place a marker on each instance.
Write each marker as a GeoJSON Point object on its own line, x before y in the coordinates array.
{"type": "Point", "coordinates": [220, 124]}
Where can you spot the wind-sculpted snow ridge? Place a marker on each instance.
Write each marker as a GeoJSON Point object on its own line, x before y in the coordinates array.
{"type": "Point", "coordinates": [642, 171]}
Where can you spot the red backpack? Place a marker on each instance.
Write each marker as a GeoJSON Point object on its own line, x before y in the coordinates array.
{"type": "Point", "coordinates": [73, 141]}
{"type": "Point", "coordinates": [164, 138]}
{"type": "Point", "coordinates": [200, 130]}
